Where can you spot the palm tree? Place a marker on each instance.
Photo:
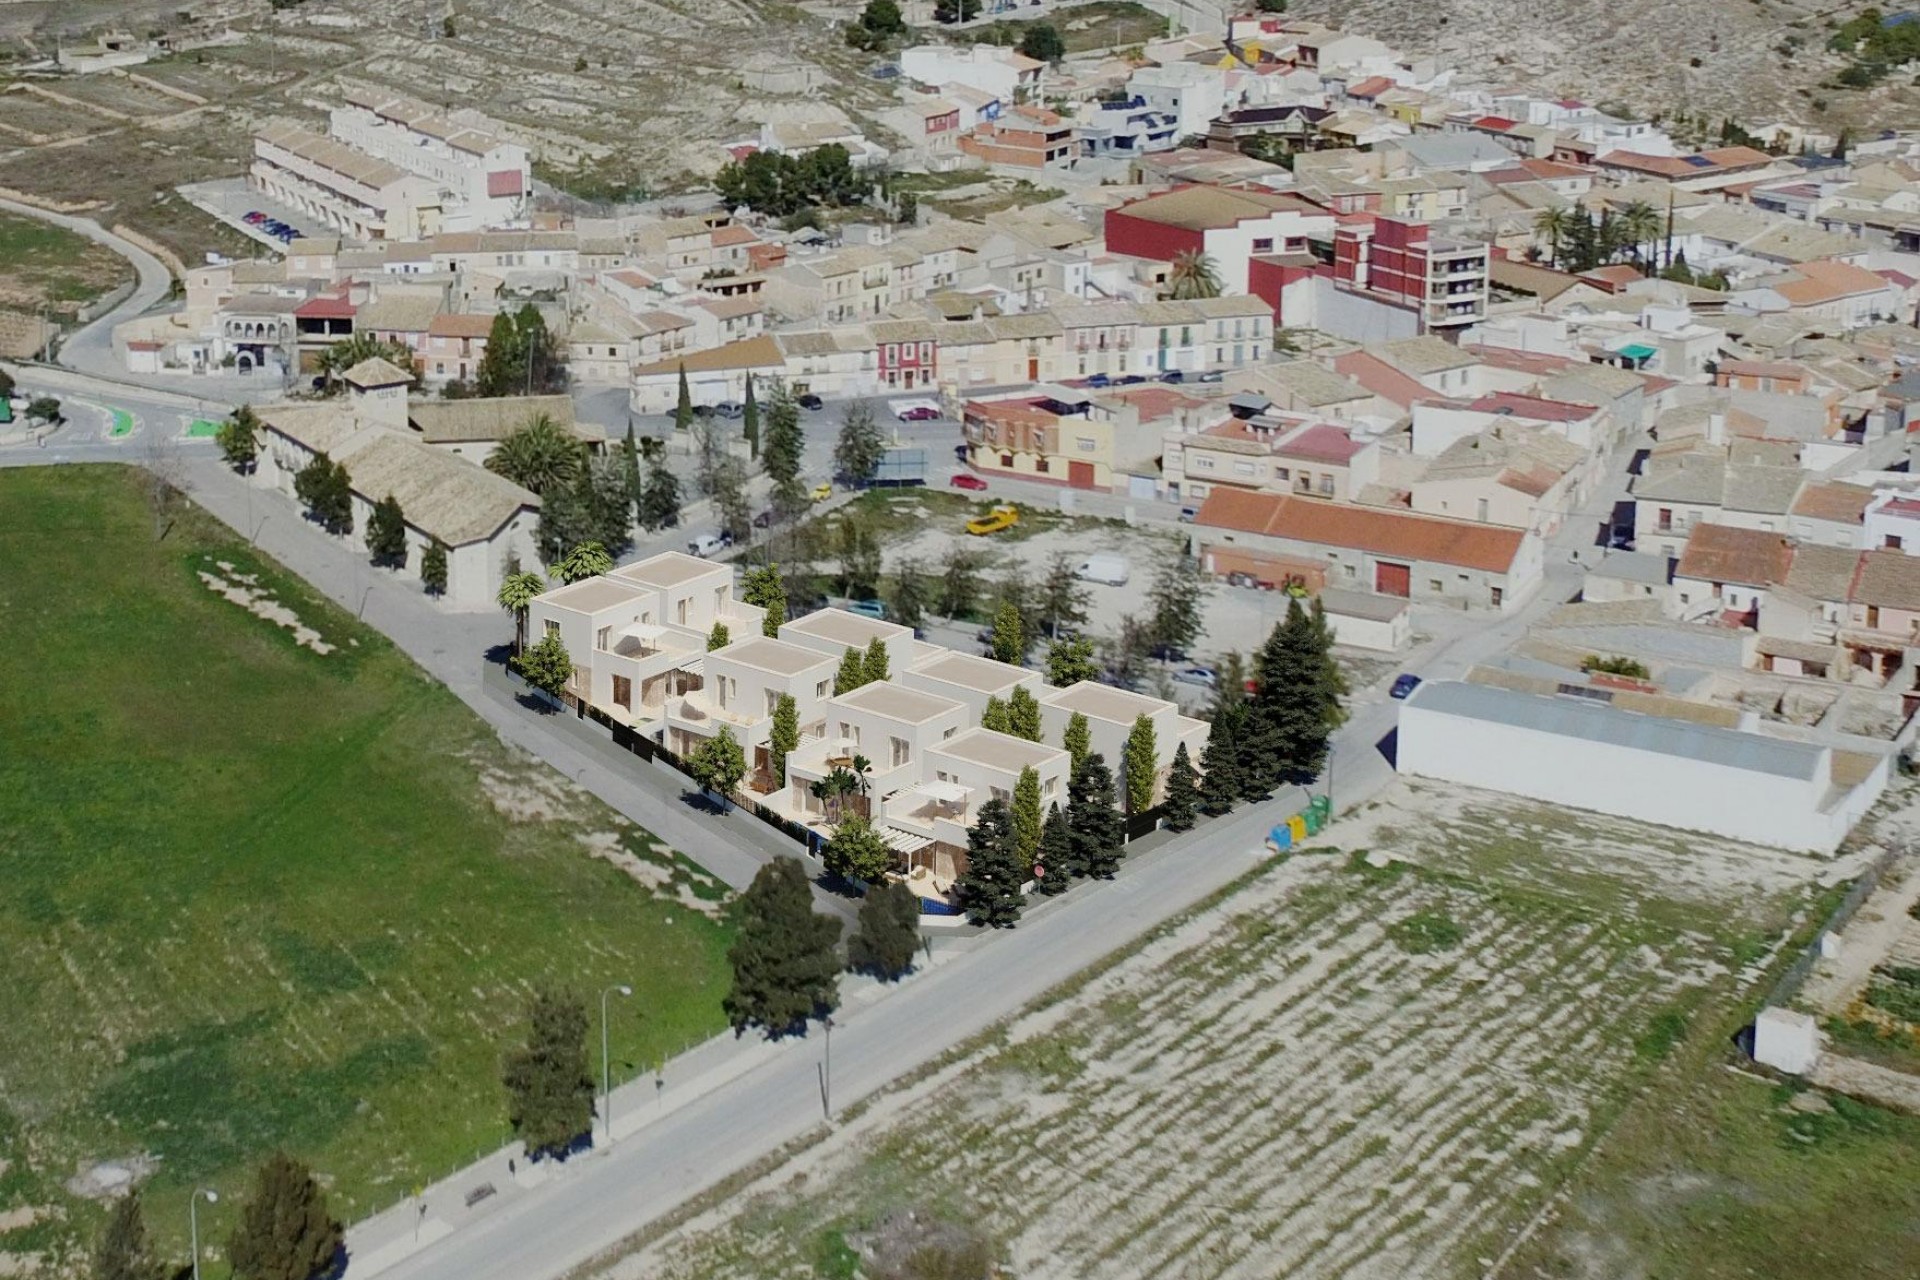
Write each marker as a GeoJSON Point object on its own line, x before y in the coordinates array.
{"type": "Point", "coordinates": [540, 455]}
{"type": "Point", "coordinates": [1637, 223]}
{"type": "Point", "coordinates": [587, 560]}
{"type": "Point", "coordinates": [1554, 224]}
{"type": "Point", "coordinates": [517, 591]}
{"type": "Point", "coordinates": [1193, 276]}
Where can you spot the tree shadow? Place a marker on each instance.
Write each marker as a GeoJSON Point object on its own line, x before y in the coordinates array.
{"type": "Point", "coordinates": [534, 702]}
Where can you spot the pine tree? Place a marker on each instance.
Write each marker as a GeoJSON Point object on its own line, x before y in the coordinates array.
{"type": "Point", "coordinates": [990, 890]}
{"type": "Point", "coordinates": [549, 1088]}
{"type": "Point", "coordinates": [784, 967]}
{"type": "Point", "coordinates": [887, 933]}
{"type": "Point", "coordinates": [719, 637]}
{"type": "Point", "coordinates": [1297, 701]}
{"type": "Point", "coordinates": [238, 438]}
{"type": "Point", "coordinates": [659, 506]}
{"type": "Point", "coordinates": [1097, 829]}
{"type": "Point", "coordinates": [762, 588]}
{"type": "Point", "coordinates": [783, 738]}
{"type": "Point", "coordinates": [909, 598]}
{"type": "Point", "coordinates": [1023, 714]}
{"type": "Point", "coordinates": [782, 453]}
{"type": "Point", "coordinates": [856, 851]}
{"type": "Point", "coordinates": [285, 1232]}
{"type": "Point", "coordinates": [994, 716]}
{"type": "Point", "coordinates": [546, 664]}
{"type": "Point", "coordinates": [125, 1252]}
{"type": "Point", "coordinates": [852, 673]}
{"type": "Point", "coordinates": [1071, 661]}
{"type": "Point", "coordinates": [433, 568]}
{"type": "Point", "coordinates": [1025, 815]}
{"type": "Point", "coordinates": [630, 471]}
{"type": "Point", "coordinates": [387, 533]}
{"type": "Point", "coordinates": [1140, 765]}
{"type": "Point", "coordinates": [683, 407]}
{"type": "Point", "coordinates": [750, 421]}
{"type": "Point", "coordinates": [1183, 792]}
{"type": "Point", "coordinates": [1222, 783]}
{"type": "Point", "coordinates": [1008, 643]}
{"type": "Point", "coordinates": [1055, 858]}
{"type": "Point", "coordinates": [1078, 739]}
{"type": "Point", "coordinates": [861, 448]}
{"type": "Point", "coordinates": [876, 665]}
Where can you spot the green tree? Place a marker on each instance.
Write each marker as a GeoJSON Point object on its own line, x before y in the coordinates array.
{"type": "Point", "coordinates": [1009, 643]}
{"type": "Point", "coordinates": [861, 447]}
{"type": "Point", "coordinates": [520, 358]}
{"type": "Point", "coordinates": [1639, 225]}
{"type": "Point", "coordinates": [1555, 226]}
{"type": "Point", "coordinates": [856, 851]}
{"type": "Point", "coordinates": [517, 591]}
{"type": "Point", "coordinates": [784, 967]}
{"type": "Point", "coordinates": [750, 421]}
{"type": "Point", "coordinates": [908, 600]}
{"type": "Point", "coordinates": [1176, 596]}
{"type": "Point", "coordinates": [659, 506]}
{"type": "Point", "coordinates": [1054, 863]}
{"type": "Point", "coordinates": [877, 666]}
{"type": "Point", "coordinates": [630, 469]}
{"type": "Point", "coordinates": [859, 559]}
{"type": "Point", "coordinates": [588, 560]}
{"type": "Point", "coordinates": [959, 583]}
{"type": "Point", "coordinates": [1183, 792]}
{"type": "Point", "coordinates": [1193, 275]}
{"type": "Point", "coordinates": [1063, 596]}
{"type": "Point", "coordinates": [994, 715]}
{"type": "Point", "coordinates": [1024, 817]}
{"type": "Point", "coordinates": [1140, 765]}
{"type": "Point", "coordinates": [1042, 43]}
{"type": "Point", "coordinates": [44, 409]}
{"type": "Point", "coordinates": [1023, 714]}
{"type": "Point", "coordinates": [887, 933]}
{"type": "Point", "coordinates": [783, 451]}
{"type": "Point", "coordinates": [607, 500]}
{"type": "Point", "coordinates": [358, 349]}
{"type": "Point", "coordinates": [683, 406]}
{"type": "Point", "coordinates": [1098, 833]}
{"type": "Point", "coordinates": [718, 764]}
{"type": "Point", "coordinates": [1077, 739]}
{"type": "Point", "coordinates": [1071, 661]}
{"type": "Point", "coordinates": [883, 18]}
{"type": "Point", "coordinates": [1296, 703]}
{"type": "Point", "coordinates": [549, 1088]}
{"type": "Point", "coordinates": [852, 672]}
{"type": "Point", "coordinates": [323, 486]}
{"type": "Point", "coordinates": [762, 587]}
{"type": "Point", "coordinates": [239, 438]}
{"type": "Point", "coordinates": [1271, 6]}
{"type": "Point", "coordinates": [989, 892]}
{"type": "Point", "coordinates": [546, 664]}
{"type": "Point", "coordinates": [784, 737]}
{"type": "Point", "coordinates": [387, 533]}
{"type": "Point", "coordinates": [540, 455]}
{"type": "Point", "coordinates": [124, 1251]}
{"type": "Point", "coordinates": [719, 637]}
{"type": "Point", "coordinates": [433, 568]}
{"type": "Point", "coordinates": [285, 1231]}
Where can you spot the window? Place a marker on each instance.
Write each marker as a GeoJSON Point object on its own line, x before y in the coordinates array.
{"type": "Point", "coordinates": [901, 751]}
{"type": "Point", "coordinates": [943, 737]}
{"type": "Point", "coordinates": [1893, 542]}
{"type": "Point", "coordinates": [1326, 484]}
{"type": "Point", "coordinates": [1083, 443]}
{"type": "Point", "coordinates": [553, 628]}
{"type": "Point", "coordinates": [1243, 468]}
{"type": "Point", "coordinates": [1482, 509]}
{"type": "Point", "coordinates": [1281, 473]}
{"type": "Point", "coordinates": [601, 640]}
{"type": "Point", "coordinates": [1001, 794]}
{"type": "Point", "coordinates": [820, 690]}
{"type": "Point", "coordinates": [773, 700]}
{"type": "Point", "coordinates": [1433, 585]}
{"type": "Point", "coordinates": [1263, 244]}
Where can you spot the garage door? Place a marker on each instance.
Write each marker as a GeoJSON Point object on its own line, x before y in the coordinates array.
{"type": "Point", "coordinates": [1393, 579]}
{"type": "Point", "coordinates": [1080, 475]}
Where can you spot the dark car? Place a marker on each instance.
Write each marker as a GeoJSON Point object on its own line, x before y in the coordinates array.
{"type": "Point", "coordinates": [921, 413]}
{"type": "Point", "coordinates": [1099, 380]}
{"type": "Point", "coordinates": [1173, 375]}
{"type": "Point", "coordinates": [1405, 683]}
{"type": "Point", "coordinates": [810, 402]}
{"type": "Point", "coordinates": [764, 520]}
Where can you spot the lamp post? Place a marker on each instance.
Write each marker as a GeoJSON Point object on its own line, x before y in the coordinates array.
{"type": "Point", "coordinates": [606, 1063]}
{"type": "Point", "coordinates": [826, 1071]}
{"type": "Point", "coordinates": [193, 1222]}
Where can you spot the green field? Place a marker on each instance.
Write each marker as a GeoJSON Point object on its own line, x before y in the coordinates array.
{"type": "Point", "coordinates": [40, 262]}
{"type": "Point", "coordinates": [255, 895]}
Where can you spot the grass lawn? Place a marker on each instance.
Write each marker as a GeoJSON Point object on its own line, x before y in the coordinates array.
{"type": "Point", "coordinates": [40, 262]}
{"type": "Point", "coordinates": [253, 895]}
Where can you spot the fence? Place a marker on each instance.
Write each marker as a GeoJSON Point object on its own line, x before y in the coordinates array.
{"type": "Point", "coordinates": [1790, 982]}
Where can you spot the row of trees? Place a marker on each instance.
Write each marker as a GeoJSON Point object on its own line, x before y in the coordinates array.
{"type": "Point", "coordinates": [1580, 240]}
{"type": "Point", "coordinates": [284, 1233]}
{"type": "Point", "coordinates": [780, 185]}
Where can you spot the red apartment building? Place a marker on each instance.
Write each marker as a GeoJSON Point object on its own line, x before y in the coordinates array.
{"type": "Point", "coordinates": [1437, 283]}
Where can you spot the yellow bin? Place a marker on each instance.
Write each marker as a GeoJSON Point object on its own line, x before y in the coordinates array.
{"type": "Point", "coordinates": [1297, 825]}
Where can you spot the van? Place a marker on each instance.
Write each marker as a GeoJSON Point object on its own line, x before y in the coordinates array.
{"type": "Point", "coordinates": [1107, 568]}
{"type": "Point", "coordinates": [709, 543]}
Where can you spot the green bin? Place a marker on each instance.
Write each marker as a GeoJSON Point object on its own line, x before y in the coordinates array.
{"type": "Point", "coordinates": [1314, 820]}
{"type": "Point", "coordinates": [1319, 812]}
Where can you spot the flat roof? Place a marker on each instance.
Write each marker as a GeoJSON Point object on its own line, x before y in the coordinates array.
{"type": "Point", "coordinates": [983, 675]}
{"type": "Point", "coordinates": [777, 656]}
{"type": "Point", "coordinates": [1104, 702]}
{"type": "Point", "coordinates": [1593, 721]}
{"type": "Point", "coordinates": [1001, 750]}
{"type": "Point", "coordinates": [884, 697]}
{"type": "Point", "coordinates": [668, 569]}
{"type": "Point", "coordinates": [590, 594]}
{"type": "Point", "coordinates": [842, 627]}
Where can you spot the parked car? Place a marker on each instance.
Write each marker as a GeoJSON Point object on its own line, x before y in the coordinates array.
{"type": "Point", "coordinates": [1099, 380]}
{"type": "Point", "coordinates": [709, 543]}
{"type": "Point", "coordinates": [764, 520]}
{"type": "Point", "coordinates": [1130, 380]}
{"type": "Point", "coordinates": [821, 492]}
{"type": "Point", "coordinates": [1189, 514]}
{"type": "Point", "coordinates": [1213, 376]}
{"type": "Point", "coordinates": [964, 480]}
{"type": "Point", "coordinates": [920, 413]}
{"type": "Point", "coordinates": [1173, 375]}
{"type": "Point", "coordinates": [1205, 677]}
{"type": "Point", "coordinates": [730, 409]}
{"type": "Point", "coordinates": [1104, 567]}
{"type": "Point", "coordinates": [868, 608]}
{"type": "Point", "coordinates": [1167, 653]}
{"type": "Point", "coordinates": [254, 218]}
{"type": "Point", "coordinates": [960, 453]}
{"type": "Point", "coordinates": [810, 402]}
{"type": "Point", "coordinates": [994, 521]}
{"type": "Point", "coordinates": [1403, 684]}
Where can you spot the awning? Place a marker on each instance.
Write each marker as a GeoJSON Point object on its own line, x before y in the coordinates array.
{"type": "Point", "coordinates": [644, 632]}
{"type": "Point", "coordinates": [902, 841]}
{"type": "Point", "coordinates": [948, 792]}
{"type": "Point", "coordinates": [1639, 351]}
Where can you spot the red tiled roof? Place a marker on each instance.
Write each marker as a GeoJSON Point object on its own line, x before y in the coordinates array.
{"type": "Point", "coordinates": [1724, 553]}
{"type": "Point", "coordinates": [1382, 533]}
{"type": "Point", "coordinates": [460, 326]}
{"type": "Point", "coordinates": [1496, 124]}
{"type": "Point", "coordinates": [1371, 87]}
{"type": "Point", "coordinates": [1380, 378]}
{"type": "Point", "coordinates": [325, 307]}
{"type": "Point", "coordinates": [1532, 408]}
{"type": "Point", "coordinates": [1322, 442]}
{"type": "Point", "coordinates": [733, 234]}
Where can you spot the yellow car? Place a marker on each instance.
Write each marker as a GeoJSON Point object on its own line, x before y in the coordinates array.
{"type": "Point", "coordinates": [994, 521]}
{"type": "Point", "coordinates": [821, 492]}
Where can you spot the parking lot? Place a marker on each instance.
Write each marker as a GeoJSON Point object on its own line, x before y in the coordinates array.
{"type": "Point", "coordinates": [231, 200]}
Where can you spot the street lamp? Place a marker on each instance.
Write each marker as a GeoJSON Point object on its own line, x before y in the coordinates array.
{"type": "Point", "coordinates": [606, 1064]}
{"type": "Point", "coordinates": [193, 1222]}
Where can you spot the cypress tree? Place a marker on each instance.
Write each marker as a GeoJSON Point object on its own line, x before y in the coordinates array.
{"type": "Point", "coordinates": [1078, 739]}
{"type": "Point", "coordinates": [387, 533]}
{"type": "Point", "coordinates": [852, 673]}
{"type": "Point", "coordinates": [1009, 644]}
{"type": "Point", "coordinates": [125, 1252]}
{"type": "Point", "coordinates": [784, 967]}
{"type": "Point", "coordinates": [549, 1088]}
{"type": "Point", "coordinates": [783, 738]}
{"type": "Point", "coordinates": [990, 890]}
{"type": "Point", "coordinates": [750, 421]}
{"type": "Point", "coordinates": [888, 932]}
{"type": "Point", "coordinates": [433, 568]}
{"type": "Point", "coordinates": [1026, 815]}
{"type": "Point", "coordinates": [630, 469]}
{"type": "Point", "coordinates": [1139, 764]}
{"type": "Point", "coordinates": [762, 587]}
{"type": "Point", "coordinates": [1056, 853]}
{"type": "Point", "coordinates": [1097, 829]}
{"type": "Point", "coordinates": [995, 717]}
{"type": "Point", "coordinates": [876, 666]}
{"type": "Point", "coordinates": [285, 1232]}
{"type": "Point", "coordinates": [1023, 714]}
{"type": "Point", "coordinates": [683, 408]}
{"type": "Point", "coordinates": [1221, 783]}
{"type": "Point", "coordinates": [1183, 792]}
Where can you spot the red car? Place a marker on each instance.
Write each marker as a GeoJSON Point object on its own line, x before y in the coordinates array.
{"type": "Point", "coordinates": [965, 481]}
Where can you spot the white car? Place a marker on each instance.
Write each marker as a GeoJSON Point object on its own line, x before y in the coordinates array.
{"type": "Point", "coordinates": [708, 544]}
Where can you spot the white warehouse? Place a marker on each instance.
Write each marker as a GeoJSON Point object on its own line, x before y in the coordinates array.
{"type": "Point", "coordinates": [1586, 754]}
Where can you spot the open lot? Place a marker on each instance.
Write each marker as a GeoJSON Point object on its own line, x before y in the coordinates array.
{"type": "Point", "coordinates": [41, 263]}
{"type": "Point", "coordinates": [266, 884]}
{"type": "Point", "coordinates": [1354, 1065]}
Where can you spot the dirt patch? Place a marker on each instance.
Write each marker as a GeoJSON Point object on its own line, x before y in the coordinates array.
{"type": "Point", "coordinates": [659, 876]}
{"type": "Point", "coordinates": [110, 1178]}
{"type": "Point", "coordinates": [244, 590]}
{"type": "Point", "coordinates": [26, 1216]}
